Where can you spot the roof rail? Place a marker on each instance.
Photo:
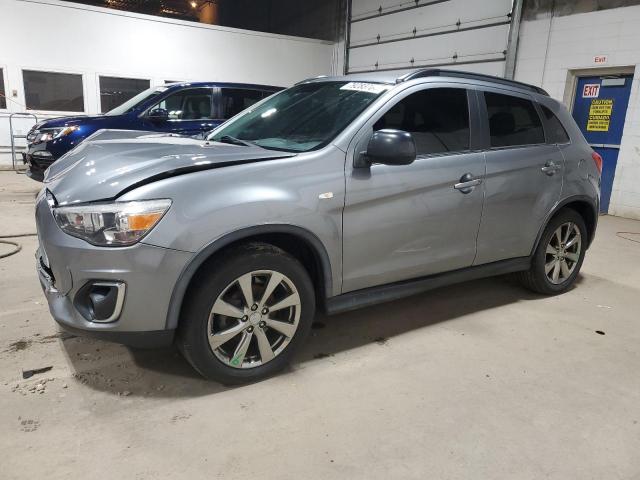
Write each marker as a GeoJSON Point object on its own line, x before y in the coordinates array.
{"type": "Point", "coordinates": [310, 78]}
{"type": "Point", "coordinates": [438, 72]}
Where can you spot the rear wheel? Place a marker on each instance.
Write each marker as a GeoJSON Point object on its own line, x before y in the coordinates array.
{"type": "Point", "coordinates": [246, 318]}
{"type": "Point", "coordinates": [559, 255]}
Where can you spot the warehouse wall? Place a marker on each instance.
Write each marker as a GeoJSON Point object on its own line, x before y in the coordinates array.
{"type": "Point", "coordinates": [551, 49]}
{"type": "Point", "coordinates": [58, 36]}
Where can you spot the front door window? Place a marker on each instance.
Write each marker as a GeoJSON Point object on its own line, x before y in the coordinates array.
{"type": "Point", "coordinates": [437, 118]}
{"type": "Point", "coordinates": [190, 104]}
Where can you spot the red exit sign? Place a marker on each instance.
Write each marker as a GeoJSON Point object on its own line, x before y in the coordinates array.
{"type": "Point", "coordinates": [591, 90]}
{"type": "Point", "coordinates": [600, 59]}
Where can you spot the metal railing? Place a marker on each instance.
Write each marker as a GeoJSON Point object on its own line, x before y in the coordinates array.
{"type": "Point", "coordinates": [14, 137]}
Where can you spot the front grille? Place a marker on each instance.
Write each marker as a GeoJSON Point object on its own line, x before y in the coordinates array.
{"type": "Point", "coordinates": [38, 163]}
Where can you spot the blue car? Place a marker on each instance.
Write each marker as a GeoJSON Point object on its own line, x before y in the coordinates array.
{"type": "Point", "coordinates": [182, 108]}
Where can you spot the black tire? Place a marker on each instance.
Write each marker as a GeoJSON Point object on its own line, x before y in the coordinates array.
{"type": "Point", "coordinates": [192, 338]}
{"type": "Point", "coordinates": [535, 278]}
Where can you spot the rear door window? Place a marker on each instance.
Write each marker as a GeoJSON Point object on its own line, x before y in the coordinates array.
{"type": "Point", "coordinates": [235, 100]}
{"type": "Point", "coordinates": [513, 121]}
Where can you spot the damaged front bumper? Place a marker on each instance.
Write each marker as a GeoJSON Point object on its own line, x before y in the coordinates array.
{"type": "Point", "coordinates": [75, 275]}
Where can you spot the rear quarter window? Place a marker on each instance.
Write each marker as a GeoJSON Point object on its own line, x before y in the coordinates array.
{"type": "Point", "coordinates": [556, 132]}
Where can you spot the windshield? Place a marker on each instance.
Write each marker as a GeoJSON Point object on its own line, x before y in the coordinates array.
{"type": "Point", "coordinates": [302, 118]}
{"type": "Point", "coordinates": [132, 102]}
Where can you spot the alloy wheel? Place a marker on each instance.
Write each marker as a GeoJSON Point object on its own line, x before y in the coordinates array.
{"type": "Point", "coordinates": [562, 253]}
{"type": "Point", "coordinates": [254, 319]}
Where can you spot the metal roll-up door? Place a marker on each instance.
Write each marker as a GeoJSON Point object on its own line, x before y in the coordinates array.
{"type": "Point", "coordinates": [398, 35]}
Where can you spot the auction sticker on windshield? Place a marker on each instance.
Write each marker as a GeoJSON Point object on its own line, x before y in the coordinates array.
{"type": "Point", "coordinates": [374, 88]}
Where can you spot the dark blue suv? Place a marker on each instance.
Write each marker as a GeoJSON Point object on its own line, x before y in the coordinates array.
{"type": "Point", "coordinates": [182, 108]}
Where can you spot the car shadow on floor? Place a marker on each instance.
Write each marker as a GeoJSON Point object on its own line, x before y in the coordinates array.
{"type": "Point", "coordinates": [379, 323]}
{"type": "Point", "coordinates": [164, 373]}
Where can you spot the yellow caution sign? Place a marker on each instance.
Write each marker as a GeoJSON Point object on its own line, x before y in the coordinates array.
{"type": "Point", "coordinates": [600, 113]}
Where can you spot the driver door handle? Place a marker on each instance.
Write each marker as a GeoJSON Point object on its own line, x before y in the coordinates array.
{"type": "Point", "coordinates": [467, 183]}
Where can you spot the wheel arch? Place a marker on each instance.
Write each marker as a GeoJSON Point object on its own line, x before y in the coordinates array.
{"type": "Point", "coordinates": [584, 206]}
{"type": "Point", "coordinates": [295, 240]}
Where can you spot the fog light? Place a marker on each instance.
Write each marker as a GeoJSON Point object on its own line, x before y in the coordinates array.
{"type": "Point", "coordinates": [100, 301]}
{"type": "Point", "coordinates": [42, 154]}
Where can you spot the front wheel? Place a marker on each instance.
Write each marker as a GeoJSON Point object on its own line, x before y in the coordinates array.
{"type": "Point", "coordinates": [247, 315]}
{"type": "Point", "coordinates": [559, 255]}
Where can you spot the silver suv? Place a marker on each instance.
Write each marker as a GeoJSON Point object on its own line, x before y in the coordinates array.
{"type": "Point", "coordinates": [336, 193]}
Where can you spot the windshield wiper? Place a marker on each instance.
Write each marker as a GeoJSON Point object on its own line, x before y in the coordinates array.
{"type": "Point", "coordinates": [236, 141]}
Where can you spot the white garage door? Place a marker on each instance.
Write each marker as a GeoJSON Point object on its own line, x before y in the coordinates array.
{"type": "Point", "coordinates": [403, 34]}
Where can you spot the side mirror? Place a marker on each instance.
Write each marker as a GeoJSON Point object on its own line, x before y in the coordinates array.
{"type": "Point", "coordinates": [388, 147]}
{"type": "Point", "coordinates": [158, 115]}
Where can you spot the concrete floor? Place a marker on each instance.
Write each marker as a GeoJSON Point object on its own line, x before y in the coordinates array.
{"type": "Point", "coordinates": [480, 380]}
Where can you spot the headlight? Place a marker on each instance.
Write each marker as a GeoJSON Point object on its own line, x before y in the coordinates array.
{"type": "Point", "coordinates": [51, 133]}
{"type": "Point", "coordinates": [113, 224]}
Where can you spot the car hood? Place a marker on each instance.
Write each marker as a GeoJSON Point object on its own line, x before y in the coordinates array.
{"type": "Point", "coordinates": [111, 162]}
{"type": "Point", "coordinates": [71, 121]}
